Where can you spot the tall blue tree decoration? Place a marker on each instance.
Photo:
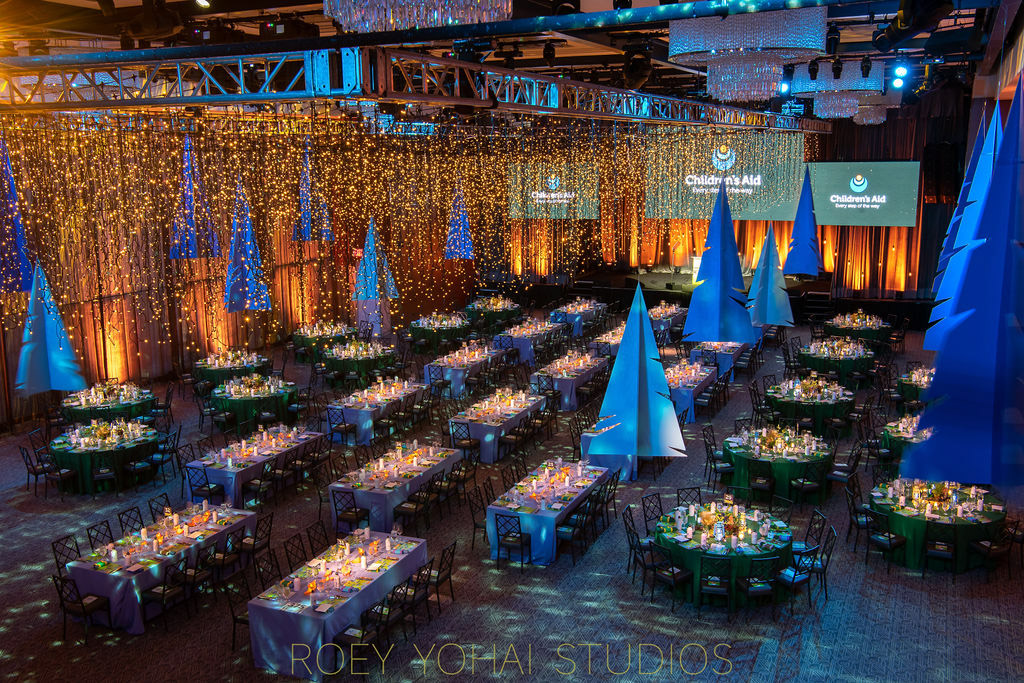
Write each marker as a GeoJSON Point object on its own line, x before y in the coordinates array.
{"type": "Point", "coordinates": [15, 269]}
{"type": "Point", "coordinates": [373, 276]}
{"type": "Point", "coordinates": [718, 307]}
{"type": "Point", "coordinates": [768, 301]}
{"type": "Point", "coordinates": [804, 256]}
{"type": "Point", "coordinates": [47, 361]}
{"type": "Point", "coordinates": [948, 290]}
{"type": "Point", "coordinates": [194, 234]}
{"type": "Point", "coordinates": [459, 244]}
{"type": "Point", "coordinates": [962, 200]}
{"type": "Point", "coordinates": [638, 416]}
{"type": "Point", "coordinates": [314, 221]}
{"type": "Point", "coordinates": [975, 404]}
{"type": "Point", "coordinates": [244, 288]}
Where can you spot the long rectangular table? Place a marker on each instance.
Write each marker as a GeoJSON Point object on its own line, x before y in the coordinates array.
{"type": "Point", "coordinates": [540, 524]}
{"type": "Point", "coordinates": [244, 470]}
{"type": "Point", "coordinates": [488, 432]}
{"type": "Point", "coordinates": [669, 321]}
{"type": "Point", "coordinates": [284, 627]}
{"type": "Point", "coordinates": [682, 394]}
{"type": "Point", "coordinates": [363, 413]}
{"type": "Point", "coordinates": [380, 491]}
{"type": "Point", "coordinates": [567, 385]}
{"type": "Point", "coordinates": [576, 320]}
{"type": "Point", "coordinates": [95, 573]}
{"type": "Point", "coordinates": [726, 358]}
{"type": "Point", "coordinates": [523, 343]}
{"type": "Point", "coordinates": [456, 373]}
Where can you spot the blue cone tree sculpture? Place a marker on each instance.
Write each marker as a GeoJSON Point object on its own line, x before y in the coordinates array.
{"type": "Point", "coordinates": [962, 199]}
{"type": "Point", "coordinates": [244, 288]}
{"type": "Point", "coordinates": [459, 244]}
{"type": "Point", "coordinates": [15, 269]}
{"type": "Point", "coordinates": [193, 231]}
{"type": "Point", "coordinates": [374, 285]}
{"type": "Point", "coordinates": [804, 256]}
{"type": "Point", "coordinates": [314, 221]}
{"type": "Point", "coordinates": [47, 361]}
{"type": "Point", "coordinates": [948, 289]}
{"type": "Point", "coordinates": [718, 307]}
{"type": "Point", "coordinates": [975, 402]}
{"type": "Point", "coordinates": [768, 301]}
{"type": "Point", "coordinates": [638, 417]}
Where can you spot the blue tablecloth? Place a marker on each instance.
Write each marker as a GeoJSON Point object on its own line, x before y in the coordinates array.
{"type": "Point", "coordinates": [682, 397]}
{"type": "Point", "coordinates": [276, 633]}
{"type": "Point", "coordinates": [725, 360]}
{"type": "Point", "coordinates": [457, 375]}
{"type": "Point", "coordinates": [576, 319]}
{"type": "Point", "coordinates": [659, 324]}
{"type": "Point", "coordinates": [568, 385]}
{"type": "Point", "coordinates": [123, 588]}
{"type": "Point", "coordinates": [540, 525]}
{"type": "Point", "coordinates": [362, 416]}
{"type": "Point", "coordinates": [381, 502]}
{"type": "Point", "coordinates": [524, 345]}
{"type": "Point", "coordinates": [488, 434]}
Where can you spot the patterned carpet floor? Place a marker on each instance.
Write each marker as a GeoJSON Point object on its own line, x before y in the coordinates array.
{"type": "Point", "coordinates": [561, 622]}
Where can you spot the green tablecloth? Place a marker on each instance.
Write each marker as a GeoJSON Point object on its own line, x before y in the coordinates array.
{"type": "Point", "coordinates": [83, 461]}
{"type": "Point", "coordinates": [324, 341]}
{"type": "Point", "coordinates": [816, 410]}
{"type": "Point", "coordinates": [869, 333]}
{"type": "Point", "coordinates": [897, 444]}
{"type": "Point", "coordinates": [435, 335]}
{"type": "Point", "coordinates": [248, 407]}
{"type": "Point", "coordinates": [218, 376]}
{"type": "Point", "coordinates": [363, 366]}
{"type": "Point", "coordinates": [844, 366]}
{"type": "Point", "coordinates": [689, 557]}
{"type": "Point", "coordinates": [127, 411]}
{"type": "Point", "coordinates": [908, 390]}
{"type": "Point", "coordinates": [783, 470]}
{"type": "Point", "coordinates": [913, 528]}
{"type": "Point", "coordinates": [491, 317]}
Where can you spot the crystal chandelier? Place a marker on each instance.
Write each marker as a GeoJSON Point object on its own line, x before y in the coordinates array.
{"type": "Point", "coordinates": [870, 116]}
{"type": "Point", "coordinates": [851, 79]}
{"type": "Point", "coordinates": [745, 53]}
{"type": "Point", "coordinates": [368, 16]}
{"type": "Point", "coordinates": [836, 105]}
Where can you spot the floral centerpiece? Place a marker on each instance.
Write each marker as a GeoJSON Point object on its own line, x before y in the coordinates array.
{"type": "Point", "coordinates": [230, 359]}
{"type": "Point", "coordinates": [946, 498]}
{"type": "Point", "coordinates": [859, 320]}
{"type": "Point", "coordinates": [772, 442]}
{"type": "Point", "coordinates": [107, 393]}
{"type": "Point", "coordinates": [921, 377]}
{"type": "Point", "coordinates": [493, 304]}
{"type": "Point", "coordinates": [812, 388]}
{"type": "Point", "coordinates": [102, 433]}
{"type": "Point", "coordinates": [837, 348]}
{"type": "Point", "coordinates": [907, 428]}
{"type": "Point", "coordinates": [439, 320]}
{"type": "Point", "coordinates": [357, 350]}
{"type": "Point", "coordinates": [723, 527]}
{"type": "Point", "coordinates": [252, 385]}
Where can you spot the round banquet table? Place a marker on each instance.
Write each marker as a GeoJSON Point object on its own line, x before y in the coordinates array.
{"type": "Point", "coordinates": [844, 366]}
{"type": "Point", "coordinates": [898, 443]}
{"type": "Point", "coordinates": [435, 335]}
{"type": "Point", "coordinates": [361, 366]}
{"type": "Point", "coordinates": [248, 407]}
{"type": "Point", "coordinates": [301, 341]}
{"type": "Point", "coordinates": [221, 374]}
{"type": "Point", "coordinates": [783, 469]}
{"type": "Point", "coordinates": [84, 460]}
{"type": "Point", "coordinates": [491, 317]}
{"type": "Point", "coordinates": [910, 391]}
{"type": "Point", "coordinates": [867, 333]}
{"type": "Point", "coordinates": [126, 410]}
{"type": "Point", "coordinates": [818, 411]}
{"type": "Point", "coordinates": [911, 524]}
{"type": "Point", "coordinates": [687, 554]}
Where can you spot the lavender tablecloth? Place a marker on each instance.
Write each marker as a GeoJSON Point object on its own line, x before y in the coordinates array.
{"type": "Point", "coordinates": [123, 588]}
{"type": "Point", "coordinates": [457, 375]}
{"type": "Point", "coordinates": [682, 396]}
{"type": "Point", "coordinates": [488, 434]}
{"type": "Point", "coordinates": [568, 385]}
{"type": "Point", "coordinates": [363, 417]}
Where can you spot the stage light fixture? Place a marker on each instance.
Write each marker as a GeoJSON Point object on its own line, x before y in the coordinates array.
{"type": "Point", "coordinates": [636, 71]}
{"type": "Point", "coordinates": [549, 54]}
{"type": "Point", "coordinates": [787, 78]}
{"type": "Point", "coordinates": [897, 83]}
{"type": "Point", "coordinates": [812, 69]}
{"type": "Point", "coordinates": [832, 39]}
{"type": "Point", "coordinates": [865, 66]}
{"type": "Point", "coordinates": [203, 4]}
{"type": "Point", "coordinates": [900, 71]}
{"type": "Point", "coordinates": [837, 68]}
{"type": "Point", "coordinates": [783, 88]}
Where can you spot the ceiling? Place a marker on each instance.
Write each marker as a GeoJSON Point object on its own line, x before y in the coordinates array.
{"type": "Point", "coordinates": [959, 41]}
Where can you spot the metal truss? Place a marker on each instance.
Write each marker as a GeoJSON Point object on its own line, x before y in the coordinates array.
{"type": "Point", "coordinates": [346, 74]}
